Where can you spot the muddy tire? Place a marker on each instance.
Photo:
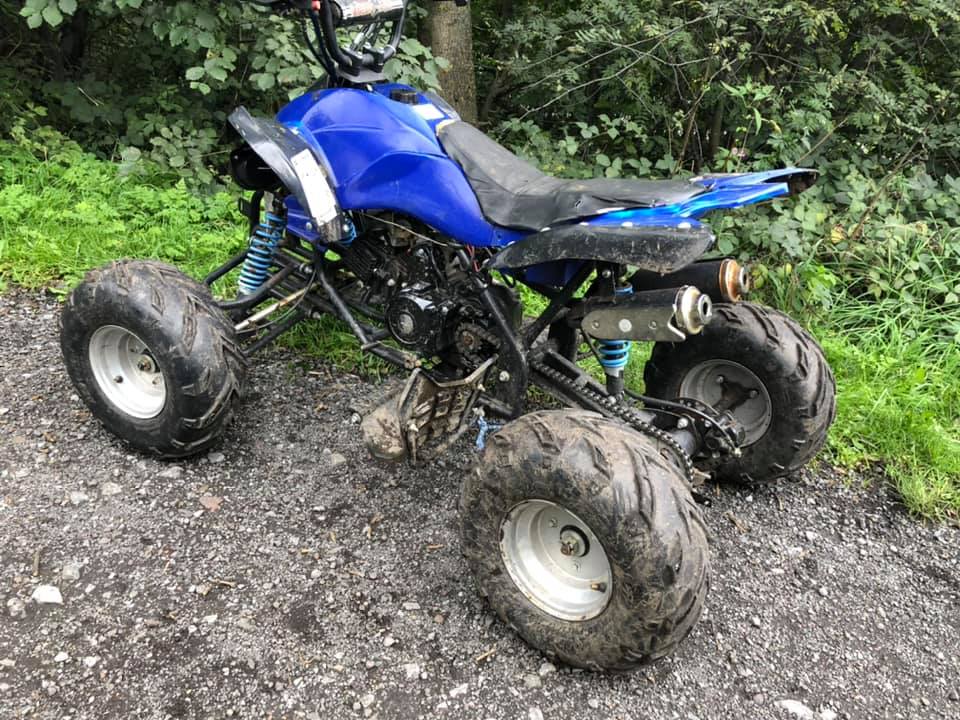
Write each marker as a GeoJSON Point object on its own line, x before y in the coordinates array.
{"type": "Point", "coordinates": [790, 390]}
{"type": "Point", "coordinates": [585, 539]}
{"type": "Point", "coordinates": [152, 356]}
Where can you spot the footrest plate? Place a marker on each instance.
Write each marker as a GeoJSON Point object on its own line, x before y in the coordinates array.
{"type": "Point", "coordinates": [425, 419]}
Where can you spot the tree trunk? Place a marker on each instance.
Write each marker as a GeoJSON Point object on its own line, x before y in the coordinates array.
{"type": "Point", "coordinates": [451, 37]}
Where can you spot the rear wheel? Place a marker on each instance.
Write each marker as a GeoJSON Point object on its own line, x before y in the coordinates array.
{"type": "Point", "coordinates": [585, 539]}
{"type": "Point", "coordinates": [152, 356]}
{"type": "Point", "coordinates": [765, 369]}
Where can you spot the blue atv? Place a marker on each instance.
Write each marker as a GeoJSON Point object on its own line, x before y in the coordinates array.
{"type": "Point", "coordinates": [374, 203]}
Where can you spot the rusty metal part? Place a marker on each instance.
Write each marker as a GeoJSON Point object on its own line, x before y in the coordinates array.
{"type": "Point", "coordinates": [734, 280]}
{"type": "Point", "coordinates": [268, 311]}
{"type": "Point", "coordinates": [476, 343]}
{"type": "Point", "coordinates": [723, 280]}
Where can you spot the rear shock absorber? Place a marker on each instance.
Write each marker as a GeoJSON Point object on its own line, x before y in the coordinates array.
{"type": "Point", "coordinates": [263, 244]}
{"type": "Point", "coordinates": [615, 356]}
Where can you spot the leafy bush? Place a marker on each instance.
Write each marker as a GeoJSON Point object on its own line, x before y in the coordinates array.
{"type": "Point", "coordinates": [133, 80]}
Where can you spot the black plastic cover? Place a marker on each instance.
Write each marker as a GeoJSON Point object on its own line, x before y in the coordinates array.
{"type": "Point", "coordinates": [297, 167]}
{"type": "Point", "coordinates": [657, 248]}
{"type": "Point", "coordinates": [513, 193]}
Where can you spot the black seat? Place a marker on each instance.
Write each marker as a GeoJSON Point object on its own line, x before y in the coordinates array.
{"type": "Point", "coordinates": [513, 193]}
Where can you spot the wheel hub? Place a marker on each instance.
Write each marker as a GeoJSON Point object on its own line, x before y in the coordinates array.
{"type": "Point", "coordinates": [556, 560]}
{"type": "Point", "coordinates": [729, 386]}
{"type": "Point", "coordinates": [127, 372]}
{"type": "Point", "coordinates": [573, 543]}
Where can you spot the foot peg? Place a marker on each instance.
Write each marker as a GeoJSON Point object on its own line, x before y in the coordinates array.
{"type": "Point", "coordinates": [425, 419]}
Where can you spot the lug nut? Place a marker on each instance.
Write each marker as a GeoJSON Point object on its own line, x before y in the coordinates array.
{"type": "Point", "coordinates": [573, 543]}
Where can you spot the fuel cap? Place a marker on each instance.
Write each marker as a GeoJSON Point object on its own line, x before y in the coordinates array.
{"type": "Point", "coordinates": [405, 96]}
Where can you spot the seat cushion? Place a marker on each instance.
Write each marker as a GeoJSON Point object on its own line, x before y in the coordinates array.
{"type": "Point", "coordinates": [513, 193]}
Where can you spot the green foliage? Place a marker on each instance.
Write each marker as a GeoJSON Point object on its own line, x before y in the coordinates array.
{"type": "Point", "coordinates": [898, 408]}
{"type": "Point", "coordinates": [415, 65]}
{"type": "Point", "coordinates": [160, 78]}
{"type": "Point", "coordinates": [63, 211]}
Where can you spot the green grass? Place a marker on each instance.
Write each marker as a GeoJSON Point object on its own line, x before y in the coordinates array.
{"type": "Point", "coordinates": [67, 212]}
{"type": "Point", "coordinates": [63, 211]}
{"type": "Point", "coordinates": [898, 404]}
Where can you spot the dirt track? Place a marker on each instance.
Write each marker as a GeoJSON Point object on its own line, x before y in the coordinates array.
{"type": "Point", "coordinates": [327, 586]}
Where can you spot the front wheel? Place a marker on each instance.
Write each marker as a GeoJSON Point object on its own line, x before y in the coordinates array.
{"type": "Point", "coordinates": [584, 537]}
{"type": "Point", "coordinates": [152, 356]}
{"type": "Point", "coordinates": [761, 366]}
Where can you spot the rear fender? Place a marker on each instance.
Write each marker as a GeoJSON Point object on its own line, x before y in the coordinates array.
{"type": "Point", "coordinates": [299, 168]}
{"type": "Point", "coordinates": [724, 192]}
{"type": "Point", "coordinates": [659, 239]}
{"type": "Point", "coordinates": [662, 248]}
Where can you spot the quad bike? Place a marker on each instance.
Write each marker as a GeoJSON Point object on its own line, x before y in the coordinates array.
{"type": "Point", "coordinates": [372, 202]}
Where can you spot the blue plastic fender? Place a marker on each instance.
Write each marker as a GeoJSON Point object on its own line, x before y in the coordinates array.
{"type": "Point", "coordinates": [298, 166]}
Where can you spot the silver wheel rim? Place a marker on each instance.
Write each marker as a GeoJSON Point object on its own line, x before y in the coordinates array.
{"type": "Point", "coordinates": [556, 560]}
{"type": "Point", "coordinates": [127, 372]}
{"type": "Point", "coordinates": [717, 383]}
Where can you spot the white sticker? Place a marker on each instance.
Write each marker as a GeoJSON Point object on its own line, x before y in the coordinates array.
{"type": "Point", "coordinates": [323, 204]}
{"type": "Point", "coordinates": [428, 111]}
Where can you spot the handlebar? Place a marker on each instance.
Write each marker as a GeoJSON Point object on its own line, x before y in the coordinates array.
{"type": "Point", "coordinates": [361, 62]}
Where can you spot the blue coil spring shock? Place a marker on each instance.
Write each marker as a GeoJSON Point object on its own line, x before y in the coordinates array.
{"type": "Point", "coordinates": [349, 232]}
{"type": "Point", "coordinates": [615, 355]}
{"type": "Point", "coordinates": [263, 245]}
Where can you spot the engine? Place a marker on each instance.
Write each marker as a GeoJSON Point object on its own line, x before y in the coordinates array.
{"type": "Point", "coordinates": [416, 287]}
{"type": "Point", "coordinates": [421, 317]}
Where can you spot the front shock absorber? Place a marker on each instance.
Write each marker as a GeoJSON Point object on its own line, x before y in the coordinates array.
{"type": "Point", "coordinates": [263, 245]}
{"type": "Point", "coordinates": [349, 232]}
{"type": "Point", "coordinates": [615, 356]}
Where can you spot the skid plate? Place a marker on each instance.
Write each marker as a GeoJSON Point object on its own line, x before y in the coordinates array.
{"type": "Point", "coordinates": [425, 418]}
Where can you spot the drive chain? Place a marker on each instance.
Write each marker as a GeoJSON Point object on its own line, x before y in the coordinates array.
{"type": "Point", "coordinates": [617, 408]}
{"type": "Point", "coordinates": [473, 355]}
{"type": "Point", "coordinates": [610, 405]}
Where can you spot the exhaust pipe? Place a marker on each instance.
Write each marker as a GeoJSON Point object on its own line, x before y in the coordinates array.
{"type": "Point", "coordinates": [694, 310]}
{"type": "Point", "coordinates": [722, 280]}
{"type": "Point", "coordinates": [667, 315]}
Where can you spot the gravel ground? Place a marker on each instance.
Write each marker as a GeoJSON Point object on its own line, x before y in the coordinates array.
{"type": "Point", "coordinates": [286, 575]}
